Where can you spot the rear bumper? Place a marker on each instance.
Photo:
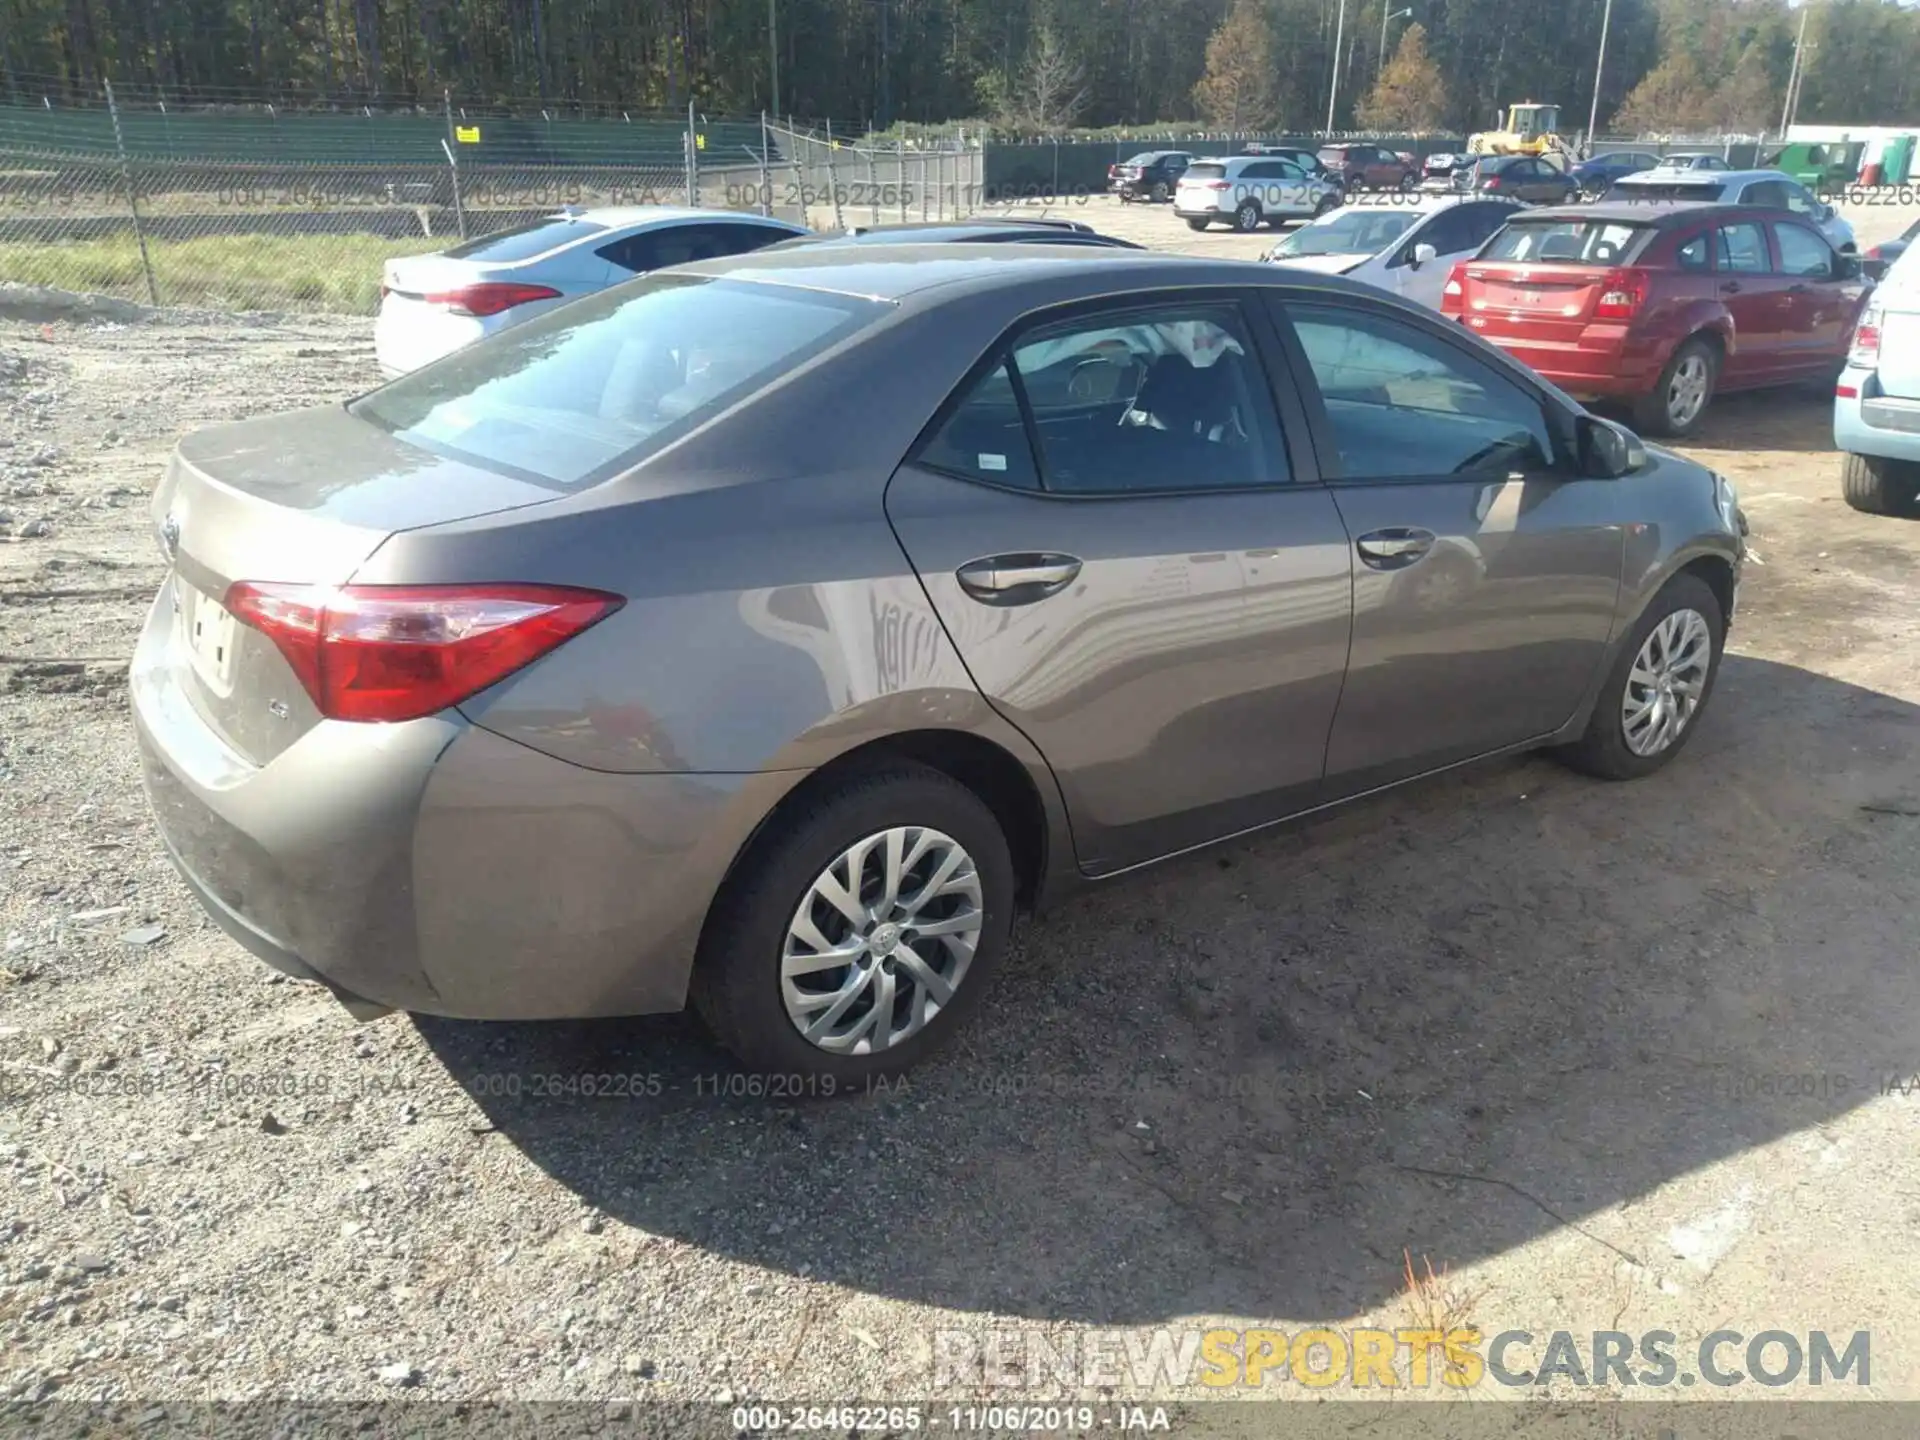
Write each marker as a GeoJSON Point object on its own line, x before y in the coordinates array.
{"type": "Point", "coordinates": [1870, 423]}
{"type": "Point", "coordinates": [437, 867]}
{"type": "Point", "coordinates": [1604, 362]}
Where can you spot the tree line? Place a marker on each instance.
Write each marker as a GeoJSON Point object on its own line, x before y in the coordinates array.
{"type": "Point", "coordinates": [1040, 65]}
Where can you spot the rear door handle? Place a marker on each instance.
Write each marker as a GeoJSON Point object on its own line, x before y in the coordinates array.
{"type": "Point", "coordinates": [1018, 579]}
{"type": "Point", "coordinates": [1394, 549]}
{"type": "Point", "coordinates": [1732, 287]}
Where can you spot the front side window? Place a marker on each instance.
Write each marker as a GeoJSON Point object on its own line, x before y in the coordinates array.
{"type": "Point", "coordinates": [1742, 249]}
{"type": "Point", "coordinates": [1802, 252]}
{"type": "Point", "coordinates": [1404, 404]}
{"type": "Point", "coordinates": [1160, 399]}
{"type": "Point", "coordinates": [581, 392]}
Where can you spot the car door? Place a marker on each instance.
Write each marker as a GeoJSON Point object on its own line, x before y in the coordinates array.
{"type": "Point", "coordinates": [1818, 306]}
{"type": "Point", "coordinates": [1447, 231]}
{"type": "Point", "coordinates": [1487, 569]}
{"type": "Point", "coordinates": [1120, 531]}
{"type": "Point", "coordinates": [1747, 285]}
{"type": "Point", "coordinates": [1296, 186]}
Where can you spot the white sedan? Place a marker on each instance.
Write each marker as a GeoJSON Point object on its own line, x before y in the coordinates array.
{"type": "Point", "coordinates": [1407, 246]}
{"type": "Point", "coordinates": [431, 305]}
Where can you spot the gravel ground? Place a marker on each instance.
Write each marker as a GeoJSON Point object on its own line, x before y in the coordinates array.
{"type": "Point", "coordinates": [1609, 1057]}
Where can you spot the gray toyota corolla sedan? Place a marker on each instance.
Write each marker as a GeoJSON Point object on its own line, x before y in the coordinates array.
{"type": "Point", "coordinates": [763, 633]}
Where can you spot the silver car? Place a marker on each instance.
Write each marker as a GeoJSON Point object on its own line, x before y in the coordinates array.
{"type": "Point", "coordinates": [1876, 405]}
{"type": "Point", "coordinates": [768, 631]}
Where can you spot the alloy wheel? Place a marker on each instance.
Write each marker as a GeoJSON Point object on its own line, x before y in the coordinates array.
{"type": "Point", "coordinates": [1667, 682]}
{"type": "Point", "coordinates": [882, 940]}
{"type": "Point", "coordinates": [1687, 390]}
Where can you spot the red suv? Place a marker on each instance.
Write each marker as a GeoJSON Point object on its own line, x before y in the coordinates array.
{"type": "Point", "coordinates": [1662, 306]}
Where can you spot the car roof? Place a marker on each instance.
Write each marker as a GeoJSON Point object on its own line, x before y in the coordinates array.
{"type": "Point", "coordinates": [1659, 214]}
{"type": "Point", "coordinates": [934, 234]}
{"type": "Point", "coordinates": [621, 217]}
{"type": "Point", "coordinates": [1705, 177]}
{"type": "Point", "coordinates": [925, 276]}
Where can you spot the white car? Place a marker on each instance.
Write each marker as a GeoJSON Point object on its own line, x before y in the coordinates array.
{"type": "Point", "coordinates": [1408, 248]}
{"type": "Point", "coordinates": [1769, 188]}
{"type": "Point", "coordinates": [1247, 191]}
{"type": "Point", "coordinates": [431, 305]}
{"type": "Point", "coordinates": [1876, 405]}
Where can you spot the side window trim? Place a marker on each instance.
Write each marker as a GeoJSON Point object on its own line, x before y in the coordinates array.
{"type": "Point", "coordinates": [1320, 425]}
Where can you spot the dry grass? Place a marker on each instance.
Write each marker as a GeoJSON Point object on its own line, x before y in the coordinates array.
{"type": "Point", "coordinates": [1435, 1301]}
{"type": "Point", "coordinates": [338, 273]}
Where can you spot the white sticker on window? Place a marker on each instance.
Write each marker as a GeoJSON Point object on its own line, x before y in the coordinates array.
{"type": "Point", "coordinates": [993, 462]}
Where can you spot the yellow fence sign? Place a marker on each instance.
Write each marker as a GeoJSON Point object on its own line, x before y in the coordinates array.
{"type": "Point", "coordinates": [467, 134]}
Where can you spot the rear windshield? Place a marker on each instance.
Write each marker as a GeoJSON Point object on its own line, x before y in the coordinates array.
{"type": "Point", "coordinates": [1569, 242]}
{"type": "Point", "coordinates": [1205, 170]}
{"type": "Point", "coordinates": [523, 242]}
{"type": "Point", "coordinates": [580, 393]}
{"type": "Point", "coordinates": [1332, 155]}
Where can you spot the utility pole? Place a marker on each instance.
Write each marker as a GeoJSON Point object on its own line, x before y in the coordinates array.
{"type": "Point", "coordinates": [886, 67]}
{"type": "Point", "coordinates": [1793, 75]}
{"type": "Point", "coordinates": [1599, 73]}
{"type": "Point", "coordinates": [773, 54]}
{"type": "Point", "coordinates": [1339, 39]}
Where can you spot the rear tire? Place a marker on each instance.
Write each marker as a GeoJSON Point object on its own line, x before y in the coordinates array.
{"type": "Point", "coordinates": [1678, 399]}
{"type": "Point", "coordinates": [1875, 486]}
{"type": "Point", "coordinates": [1160, 192]}
{"type": "Point", "coordinates": [1247, 218]}
{"type": "Point", "coordinates": [740, 988]}
{"type": "Point", "coordinates": [1605, 751]}
{"type": "Point", "coordinates": [1325, 205]}
{"type": "Point", "coordinates": [1195, 223]}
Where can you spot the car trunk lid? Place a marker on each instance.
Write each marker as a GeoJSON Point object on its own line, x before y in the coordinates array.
{"type": "Point", "coordinates": [299, 499]}
{"type": "Point", "coordinates": [1539, 300]}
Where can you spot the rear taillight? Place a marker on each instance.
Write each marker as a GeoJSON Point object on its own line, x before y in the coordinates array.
{"type": "Point", "coordinates": [1492, 182]}
{"type": "Point", "coordinates": [1866, 341]}
{"type": "Point", "coordinates": [1453, 293]}
{"type": "Point", "coordinates": [1622, 293]}
{"type": "Point", "coordinates": [1216, 185]}
{"type": "Point", "coordinates": [397, 652]}
{"type": "Point", "coordinates": [489, 298]}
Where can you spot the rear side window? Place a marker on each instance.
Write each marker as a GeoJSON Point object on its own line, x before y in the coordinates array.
{"type": "Point", "coordinates": [1742, 249]}
{"type": "Point", "coordinates": [1568, 242]}
{"type": "Point", "coordinates": [577, 394]}
{"type": "Point", "coordinates": [1404, 404]}
{"type": "Point", "coordinates": [1695, 254]}
{"type": "Point", "coordinates": [526, 241]}
{"type": "Point", "coordinates": [985, 438]}
{"type": "Point", "coordinates": [1161, 399]}
{"type": "Point", "coordinates": [684, 244]}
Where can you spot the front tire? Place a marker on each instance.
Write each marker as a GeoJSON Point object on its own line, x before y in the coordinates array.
{"type": "Point", "coordinates": [860, 931]}
{"type": "Point", "coordinates": [1160, 193]}
{"type": "Point", "coordinates": [1325, 205]}
{"type": "Point", "coordinates": [1875, 486]}
{"type": "Point", "coordinates": [1658, 688]}
{"type": "Point", "coordinates": [1247, 218]}
{"type": "Point", "coordinates": [1683, 392]}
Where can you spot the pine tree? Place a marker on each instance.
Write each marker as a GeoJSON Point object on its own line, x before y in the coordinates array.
{"type": "Point", "coordinates": [1237, 91]}
{"type": "Point", "coordinates": [1674, 98]}
{"type": "Point", "coordinates": [1410, 95]}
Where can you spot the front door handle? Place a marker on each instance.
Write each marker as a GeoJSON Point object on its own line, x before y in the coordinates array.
{"type": "Point", "coordinates": [1394, 549]}
{"type": "Point", "coordinates": [1017, 579]}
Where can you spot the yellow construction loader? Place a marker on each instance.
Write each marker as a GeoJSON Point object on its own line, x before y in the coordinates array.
{"type": "Point", "coordinates": [1530, 129]}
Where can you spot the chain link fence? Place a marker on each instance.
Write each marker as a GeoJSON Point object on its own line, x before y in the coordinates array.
{"type": "Point", "coordinates": [305, 234]}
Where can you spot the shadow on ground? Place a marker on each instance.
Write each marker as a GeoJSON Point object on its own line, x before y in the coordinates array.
{"type": "Point", "coordinates": [1796, 418]}
{"type": "Point", "coordinates": [1245, 1082]}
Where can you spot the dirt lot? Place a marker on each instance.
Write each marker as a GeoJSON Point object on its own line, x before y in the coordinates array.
{"type": "Point", "coordinates": [1612, 1057]}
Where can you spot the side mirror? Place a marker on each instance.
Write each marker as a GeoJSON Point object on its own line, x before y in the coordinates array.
{"type": "Point", "coordinates": [1607, 450]}
{"type": "Point", "coordinates": [1424, 254]}
{"type": "Point", "coordinates": [1848, 267]}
